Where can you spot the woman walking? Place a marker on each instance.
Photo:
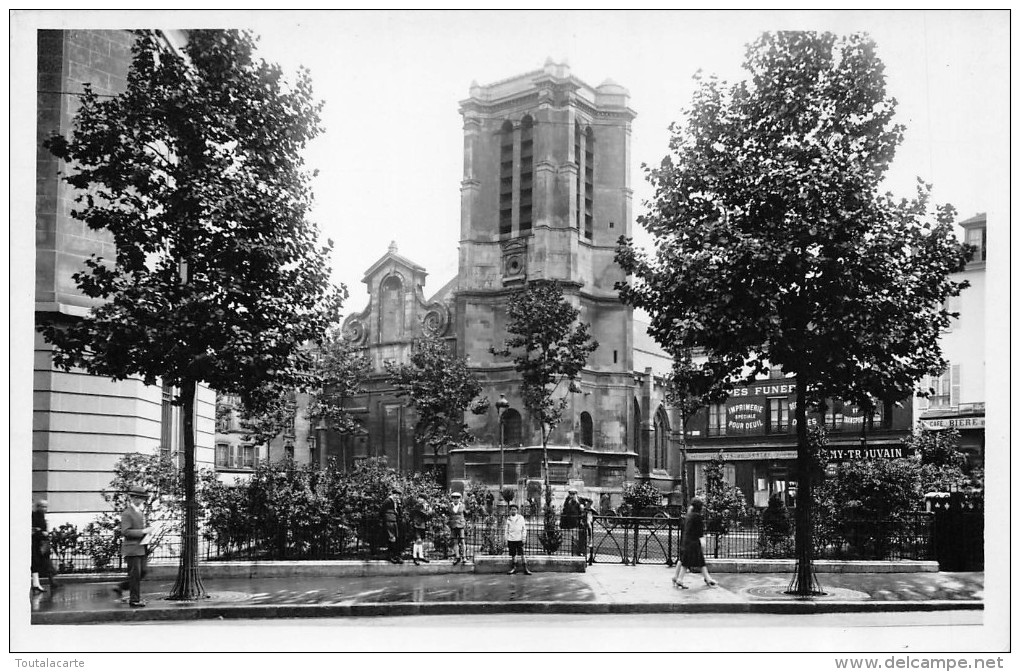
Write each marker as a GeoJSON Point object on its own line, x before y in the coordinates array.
{"type": "Point", "coordinates": [41, 564]}
{"type": "Point", "coordinates": [692, 557]}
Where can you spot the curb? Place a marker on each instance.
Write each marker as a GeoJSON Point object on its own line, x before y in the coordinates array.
{"type": "Point", "coordinates": [481, 565]}
{"type": "Point", "coordinates": [211, 612]}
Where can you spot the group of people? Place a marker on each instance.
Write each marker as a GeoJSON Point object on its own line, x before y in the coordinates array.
{"type": "Point", "coordinates": [577, 513]}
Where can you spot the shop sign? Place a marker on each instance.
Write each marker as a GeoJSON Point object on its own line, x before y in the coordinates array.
{"type": "Point", "coordinates": [744, 416]}
{"type": "Point", "coordinates": [849, 454]}
{"type": "Point", "coordinates": [956, 423]}
{"type": "Point", "coordinates": [735, 455]}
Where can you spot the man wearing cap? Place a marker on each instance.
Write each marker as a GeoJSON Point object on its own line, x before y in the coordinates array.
{"type": "Point", "coordinates": [455, 519]}
{"type": "Point", "coordinates": [133, 532]}
{"type": "Point", "coordinates": [390, 512]}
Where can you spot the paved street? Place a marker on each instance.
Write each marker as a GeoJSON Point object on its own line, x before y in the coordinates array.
{"type": "Point", "coordinates": [603, 589]}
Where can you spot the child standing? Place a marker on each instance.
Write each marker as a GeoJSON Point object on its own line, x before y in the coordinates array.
{"type": "Point", "coordinates": [515, 533]}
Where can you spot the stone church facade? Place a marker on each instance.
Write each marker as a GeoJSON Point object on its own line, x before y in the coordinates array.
{"type": "Point", "coordinates": [545, 195]}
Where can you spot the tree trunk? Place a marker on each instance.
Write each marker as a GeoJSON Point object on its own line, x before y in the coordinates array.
{"type": "Point", "coordinates": [189, 583]}
{"type": "Point", "coordinates": [804, 582]}
{"type": "Point", "coordinates": [683, 465]}
{"type": "Point", "coordinates": [545, 469]}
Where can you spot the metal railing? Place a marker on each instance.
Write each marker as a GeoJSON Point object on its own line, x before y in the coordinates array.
{"type": "Point", "coordinates": [615, 539]}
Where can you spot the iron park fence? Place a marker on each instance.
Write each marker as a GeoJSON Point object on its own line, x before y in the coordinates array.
{"type": "Point", "coordinates": [614, 539]}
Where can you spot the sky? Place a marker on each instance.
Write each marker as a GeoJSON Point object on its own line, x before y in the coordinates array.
{"type": "Point", "coordinates": [390, 159]}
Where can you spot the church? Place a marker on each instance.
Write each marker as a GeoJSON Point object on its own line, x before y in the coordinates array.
{"type": "Point", "coordinates": [545, 195]}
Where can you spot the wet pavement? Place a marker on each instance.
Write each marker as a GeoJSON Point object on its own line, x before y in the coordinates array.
{"type": "Point", "coordinates": [602, 589]}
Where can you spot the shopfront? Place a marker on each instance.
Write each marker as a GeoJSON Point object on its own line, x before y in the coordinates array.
{"type": "Point", "coordinates": [755, 431]}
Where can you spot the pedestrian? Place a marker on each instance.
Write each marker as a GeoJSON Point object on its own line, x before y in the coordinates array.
{"type": "Point", "coordinates": [570, 517]}
{"type": "Point", "coordinates": [133, 545]}
{"type": "Point", "coordinates": [420, 520]}
{"type": "Point", "coordinates": [588, 527]}
{"type": "Point", "coordinates": [515, 533]}
{"type": "Point", "coordinates": [389, 511]}
{"type": "Point", "coordinates": [455, 519]}
{"type": "Point", "coordinates": [692, 555]}
{"type": "Point", "coordinates": [41, 563]}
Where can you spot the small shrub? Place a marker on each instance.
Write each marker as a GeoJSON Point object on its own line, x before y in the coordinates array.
{"type": "Point", "coordinates": [551, 537]}
{"type": "Point", "coordinates": [63, 543]}
{"type": "Point", "coordinates": [101, 541]}
{"type": "Point", "coordinates": [640, 497]}
{"type": "Point", "coordinates": [775, 538]}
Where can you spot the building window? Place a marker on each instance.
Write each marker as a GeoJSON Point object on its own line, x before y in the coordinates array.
{"type": "Point", "coordinates": [589, 183]}
{"type": "Point", "coordinates": [222, 455]}
{"type": "Point", "coordinates": [978, 237]}
{"type": "Point", "coordinates": [248, 456]}
{"type": "Point", "coordinates": [636, 447]}
{"type": "Point", "coordinates": [166, 420]}
{"type": "Point", "coordinates": [577, 181]}
{"type": "Point", "coordinates": [506, 179]}
{"type": "Point", "coordinates": [526, 179]}
{"type": "Point", "coordinates": [779, 414]}
{"type": "Point", "coordinates": [944, 388]}
{"type": "Point", "coordinates": [288, 451]}
{"type": "Point", "coordinates": [313, 449]}
{"type": "Point", "coordinates": [391, 309]}
{"type": "Point", "coordinates": [717, 420]}
{"type": "Point", "coordinates": [587, 430]}
{"type": "Point", "coordinates": [661, 440]}
{"type": "Point", "coordinates": [511, 427]}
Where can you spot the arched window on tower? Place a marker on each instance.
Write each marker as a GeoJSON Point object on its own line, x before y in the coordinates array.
{"type": "Point", "coordinates": [577, 181]}
{"type": "Point", "coordinates": [589, 183]}
{"type": "Point", "coordinates": [526, 174]}
{"type": "Point", "coordinates": [511, 428]}
{"type": "Point", "coordinates": [661, 439]}
{"type": "Point", "coordinates": [506, 178]}
{"type": "Point", "coordinates": [587, 430]}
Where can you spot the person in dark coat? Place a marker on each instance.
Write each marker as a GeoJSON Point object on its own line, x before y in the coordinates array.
{"type": "Point", "coordinates": [420, 520]}
{"type": "Point", "coordinates": [41, 564]}
{"type": "Point", "coordinates": [692, 556]}
{"type": "Point", "coordinates": [571, 516]}
{"type": "Point", "coordinates": [389, 511]}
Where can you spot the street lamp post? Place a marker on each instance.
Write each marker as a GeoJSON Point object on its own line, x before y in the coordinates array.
{"type": "Point", "coordinates": [501, 405]}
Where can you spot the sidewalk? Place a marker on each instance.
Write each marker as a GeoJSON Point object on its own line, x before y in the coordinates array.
{"type": "Point", "coordinates": [603, 589]}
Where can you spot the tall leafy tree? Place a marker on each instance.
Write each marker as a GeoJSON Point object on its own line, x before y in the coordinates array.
{"type": "Point", "coordinates": [774, 245]}
{"type": "Point", "coordinates": [440, 387]}
{"type": "Point", "coordinates": [548, 346]}
{"type": "Point", "coordinates": [196, 173]}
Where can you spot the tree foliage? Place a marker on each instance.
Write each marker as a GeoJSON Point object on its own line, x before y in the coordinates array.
{"type": "Point", "coordinates": [440, 387]}
{"type": "Point", "coordinates": [308, 511]}
{"type": "Point", "coordinates": [548, 346]}
{"type": "Point", "coordinates": [775, 247]}
{"type": "Point", "coordinates": [196, 174]}
{"type": "Point", "coordinates": [943, 466]}
{"type": "Point", "coordinates": [340, 370]}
